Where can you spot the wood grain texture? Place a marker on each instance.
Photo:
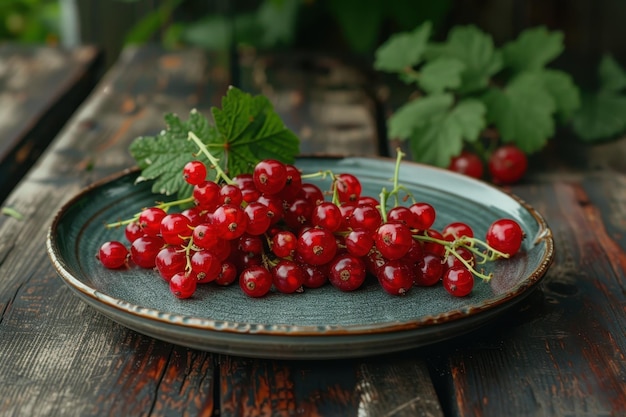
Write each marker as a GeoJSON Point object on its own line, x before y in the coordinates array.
{"type": "Point", "coordinates": [59, 356]}
{"type": "Point", "coordinates": [40, 88]}
{"type": "Point", "coordinates": [376, 387]}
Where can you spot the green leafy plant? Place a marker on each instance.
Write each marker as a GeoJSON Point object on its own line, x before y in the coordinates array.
{"type": "Point", "coordinates": [469, 93]}
{"type": "Point", "coordinates": [30, 21]}
{"type": "Point", "coordinates": [246, 130]}
{"type": "Point", "coordinates": [602, 114]}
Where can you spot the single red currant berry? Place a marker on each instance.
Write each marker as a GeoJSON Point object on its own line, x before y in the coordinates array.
{"type": "Point", "coordinates": [113, 254]}
{"type": "Point", "coordinates": [150, 220]}
{"type": "Point", "coordinates": [194, 172]}
{"type": "Point", "coordinates": [393, 240]}
{"type": "Point", "coordinates": [287, 276]}
{"type": "Point", "coordinates": [396, 277]}
{"type": "Point", "coordinates": [348, 187]}
{"type": "Point", "coordinates": [401, 214]}
{"type": "Point", "coordinates": [169, 261]}
{"type": "Point", "coordinates": [429, 270]}
{"type": "Point", "coordinates": [359, 242]}
{"type": "Point", "coordinates": [467, 163]}
{"type": "Point", "coordinates": [312, 193]}
{"type": "Point", "coordinates": [507, 164]}
{"type": "Point", "coordinates": [259, 219]}
{"type": "Point", "coordinates": [205, 266]}
{"type": "Point", "coordinates": [143, 251]}
{"type": "Point", "coordinates": [205, 236]}
{"type": "Point", "coordinates": [327, 215]}
{"type": "Point", "coordinates": [315, 276]}
{"type": "Point", "coordinates": [270, 176]}
{"type": "Point", "coordinates": [347, 272]}
{"type": "Point", "coordinates": [316, 246]}
{"type": "Point", "coordinates": [182, 285]}
{"type": "Point", "coordinates": [230, 194]}
{"type": "Point", "coordinates": [176, 229]}
{"type": "Point", "coordinates": [456, 230]}
{"type": "Point", "coordinates": [284, 243]}
{"type": "Point", "coordinates": [458, 281]}
{"type": "Point", "coordinates": [206, 195]}
{"type": "Point", "coordinates": [133, 231]}
{"type": "Point", "coordinates": [365, 217]}
{"type": "Point", "coordinates": [298, 214]}
{"type": "Point", "coordinates": [424, 215]}
{"type": "Point", "coordinates": [505, 235]}
{"type": "Point", "coordinates": [227, 275]}
{"type": "Point", "coordinates": [230, 221]}
{"type": "Point", "coordinates": [255, 281]}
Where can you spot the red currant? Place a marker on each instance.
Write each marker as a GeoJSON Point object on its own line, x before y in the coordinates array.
{"type": "Point", "coordinates": [458, 281]}
{"type": "Point", "coordinates": [194, 172]}
{"type": "Point", "coordinates": [467, 163]}
{"type": "Point", "coordinates": [424, 215]}
{"type": "Point", "coordinates": [270, 176]}
{"type": "Point", "coordinates": [169, 261]}
{"type": "Point", "coordinates": [347, 272]}
{"type": "Point", "coordinates": [316, 246]}
{"type": "Point", "coordinates": [176, 228]}
{"type": "Point", "coordinates": [143, 251]}
{"type": "Point", "coordinates": [255, 281]}
{"type": "Point", "coordinates": [113, 254]}
{"type": "Point", "coordinates": [395, 277]}
{"type": "Point", "coordinates": [393, 240]}
{"type": "Point", "coordinates": [150, 220]}
{"type": "Point", "coordinates": [287, 276]}
{"type": "Point", "coordinates": [182, 285]}
{"type": "Point", "coordinates": [348, 187]}
{"type": "Point", "coordinates": [505, 235]}
{"type": "Point", "coordinates": [507, 164]}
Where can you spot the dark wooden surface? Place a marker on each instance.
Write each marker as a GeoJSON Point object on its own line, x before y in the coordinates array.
{"type": "Point", "coordinates": [561, 352]}
{"type": "Point", "coordinates": [40, 88]}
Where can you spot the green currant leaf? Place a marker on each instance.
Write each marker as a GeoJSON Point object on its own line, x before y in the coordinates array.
{"type": "Point", "coordinates": [250, 130]}
{"type": "Point", "coordinates": [601, 116]}
{"type": "Point", "coordinates": [564, 92]}
{"type": "Point", "coordinates": [441, 73]}
{"type": "Point", "coordinates": [442, 137]}
{"type": "Point", "coordinates": [522, 112]}
{"type": "Point", "coordinates": [476, 50]}
{"type": "Point", "coordinates": [612, 76]}
{"type": "Point", "coordinates": [416, 113]}
{"type": "Point", "coordinates": [533, 49]}
{"type": "Point", "coordinates": [161, 158]}
{"type": "Point", "coordinates": [403, 50]}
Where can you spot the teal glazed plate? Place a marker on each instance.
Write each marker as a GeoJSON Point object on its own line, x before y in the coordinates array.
{"type": "Point", "coordinates": [321, 323]}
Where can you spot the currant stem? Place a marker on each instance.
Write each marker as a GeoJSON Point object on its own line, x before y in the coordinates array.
{"type": "Point", "coordinates": [164, 206]}
{"type": "Point", "coordinates": [213, 160]}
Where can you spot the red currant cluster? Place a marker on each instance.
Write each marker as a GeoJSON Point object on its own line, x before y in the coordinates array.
{"type": "Point", "coordinates": [270, 229]}
{"type": "Point", "coordinates": [506, 165]}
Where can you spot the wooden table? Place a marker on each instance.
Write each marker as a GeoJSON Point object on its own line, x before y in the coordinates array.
{"type": "Point", "coordinates": [561, 352]}
{"type": "Point", "coordinates": [40, 88]}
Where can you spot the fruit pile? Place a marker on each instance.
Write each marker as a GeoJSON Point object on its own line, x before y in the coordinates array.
{"type": "Point", "coordinates": [271, 230]}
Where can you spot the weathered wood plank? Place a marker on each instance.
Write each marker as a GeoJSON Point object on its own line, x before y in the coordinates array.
{"type": "Point", "coordinates": [40, 87]}
{"type": "Point", "coordinates": [59, 356]}
{"type": "Point", "coordinates": [327, 103]}
{"type": "Point", "coordinates": [374, 387]}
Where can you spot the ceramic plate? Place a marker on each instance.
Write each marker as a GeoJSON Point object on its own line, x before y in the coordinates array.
{"type": "Point", "coordinates": [317, 324]}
